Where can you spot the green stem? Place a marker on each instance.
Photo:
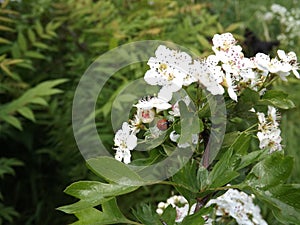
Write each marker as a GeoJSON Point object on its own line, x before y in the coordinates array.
{"type": "Point", "coordinates": [248, 130]}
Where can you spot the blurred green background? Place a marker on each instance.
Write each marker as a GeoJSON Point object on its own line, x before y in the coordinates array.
{"type": "Point", "coordinates": [55, 42]}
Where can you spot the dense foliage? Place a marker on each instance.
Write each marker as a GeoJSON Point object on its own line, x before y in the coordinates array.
{"type": "Point", "coordinates": [45, 47]}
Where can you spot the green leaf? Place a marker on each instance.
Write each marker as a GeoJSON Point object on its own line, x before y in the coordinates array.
{"type": "Point", "coordinates": [31, 35]}
{"type": "Point", "coordinates": [114, 171]}
{"type": "Point", "coordinates": [247, 100]}
{"type": "Point", "coordinates": [35, 55]}
{"type": "Point", "coordinates": [194, 219]}
{"type": "Point", "coordinates": [6, 70]}
{"type": "Point", "coordinates": [95, 189]}
{"type": "Point", "coordinates": [187, 185]}
{"type": "Point", "coordinates": [27, 113]}
{"type": "Point", "coordinates": [5, 28]}
{"type": "Point", "coordinates": [234, 26]}
{"type": "Point", "coordinates": [40, 45]}
{"type": "Point", "coordinates": [273, 170]}
{"type": "Point", "coordinates": [7, 213]}
{"type": "Point", "coordinates": [39, 101]}
{"type": "Point", "coordinates": [283, 200]}
{"type": "Point", "coordinates": [110, 214]}
{"type": "Point", "coordinates": [7, 164]}
{"type": "Point", "coordinates": [32, 95]}
{"type": "Point", "coordinates": [145, 214]}
{"type": "Point", "coordinates": [11, 120]}
{"type": "Point", "coordinates": [39, 28]}
{"type": "Point", "coordinates": [287, 193]}
{"type": "Point", "coordinates": [203, 41]}
{"type": "Point", "coordinates": [92, 193]}
{"type": "Point", "coordinates": [278, 99]}
{"type": "Point", "coordinates": [251, 157]}
{"type": "Point", "coordinates": [222, 173]}
{"type": "Point", "coordinates": [190, 124]}
{"type": "Point", "coordinates": [230, 138]}
{"type": "Point", "coordinates": [202, 178]}
{"type": "Point", "coordinates": [4, 41]}
{"type": "Point", "coordinates": [241, 144]}
{"type": "Point", "coordinates": [22, 42]}
{"type": "Point", "coordinates": [169, 215]}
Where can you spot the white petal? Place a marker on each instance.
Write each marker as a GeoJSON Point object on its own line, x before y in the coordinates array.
{"type": "Point", "coordinates": [173, 136]}
{"type": "Point", "coordinates": [165, 93]}
{"type": "Point", "coordinates": [281, 54]}
{"type": "Point", "coordinates": [295, 72]}
{"type": "Point", "coordinates": [152, 77]}
{"type": "Point", "coordinates": [232, 94]}
{"type": "Point", "coordinates": [119, 156]}
{"type": "Point", "coordinates": [131, 142]}
{"type": "Point", "coordinates": [127, 157]}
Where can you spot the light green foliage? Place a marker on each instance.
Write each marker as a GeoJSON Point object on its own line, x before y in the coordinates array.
{"type": "Point", "coordinates": [35, 95]}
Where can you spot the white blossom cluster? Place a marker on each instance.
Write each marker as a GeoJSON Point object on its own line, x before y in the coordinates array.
{"type": "Point", "coordinates": [125, 139]}
{"type": "Point", "coordinates": [269, 131]}
{"type": "Point", "coordinates": [180, 204]}
{"type": "Point", "coordinates": [232, 204]}
{"type": "Point", "coordinates": [238, 205]}
{"type": "Point", "coordinates": [289, 21]}
{"type": "Point", "coordinates": [226, 69]}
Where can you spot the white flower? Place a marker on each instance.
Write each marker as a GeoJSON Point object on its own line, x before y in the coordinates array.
{"type": "Point", "coordinates": [209, 75]}
{"type": "Point", "coordinates": [276, 8]}
{"type": "Point", "coordinates": [125, 141]}
{"type": "Point", "coordinates": [268, 16]}
{"type": "Point", "coordinates": [289, 61]}
{"type": "Point", "coordinates": [145, 108]}
{"type": "Point", "coordinates": [239, 206]}
{"type": "Point", "coordinates": [153, 102]}
{"type": "Point", "coordinates": [179, 203]}
{"type": "Point", "coordinates": [270, 139]}
{"type": "Point", "coordinates": [175, 138]}
{"type": "Point", "coordinates": [233, 203]}
{"type": "Point", "coordinates": [223, 41]}
{"type": "Point", "coordinates": [145, 115]}
{"type": "Point", "coordinates": [282, 66]}
{"type": "Point", "coordinates": [135, 124]}
{"type": "Point", "coordinates": [268, 130]}
{"type": "Point", "coordinates": [262, 61]}
{"type": "Point", "coordinates": [169, 69]}
{"type": "Point", "coordinates": [231, 88]}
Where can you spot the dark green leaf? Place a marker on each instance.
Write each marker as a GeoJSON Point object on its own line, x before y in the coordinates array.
{"type": "Point", "coordinates": [251, 158]}
{"type": "Point", "coordinates": [285, 209]}
{"type": "Point", "coordinates": [273, 170]}
{"type": "Point", "coordinates": [241, 144]}
{"type": "Point", "coordinates": [145, 214]}
{"type": "Point", "coordinates": [278, 99]}
{"type": "Point", "coordinates": [169, 215]}
{"type": "Point", "coordinates": [222, 173]}
{"type": "Point", "coordinates": [185, 178]}
{"type": "Point", "coordinates": [194, 219]}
